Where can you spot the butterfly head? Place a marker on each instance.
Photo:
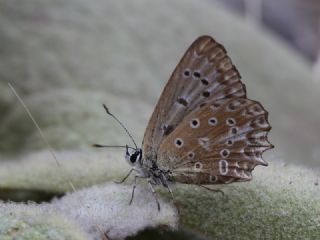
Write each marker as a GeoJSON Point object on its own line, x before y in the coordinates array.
{"type": "Point", "coordinates": [134, 156]}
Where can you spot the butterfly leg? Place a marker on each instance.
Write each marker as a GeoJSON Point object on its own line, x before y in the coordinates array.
{"type": "Point", "coordinates": [154, 193]}
{"type": "Point", "coordinates": [133, 188]}
{"type": "Point", "coordinates": [166, 184]}
{"type": "Point", "coordinates": [210, 189]}
{"type": "Point", "coordinates": [171, 193]}
{"type": "Point", "coordinates": [125, 178]}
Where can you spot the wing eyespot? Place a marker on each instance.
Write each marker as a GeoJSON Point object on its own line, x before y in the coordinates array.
{"type": "Point", "coordinates": [178, 142]}
{"type": "Point", "coordinates": [213, 121]}
{"type": "Point", "coordinates": [195, 123]}
{"type": "Point", "coordinates": [198, 166]}
{"type": "Point", "coordinates": [196, 75]}
{"type": "Point", "coordinates": [231, 122]}
{"type": "Point", "coordinates": [224, 153]}
{"type": "Point", "coordinates": [191, 155]}
{"type": "Point", "coordinates": [223, 167]}
{"type": "Point", "coordinates": [187, 73]}
{"type": "Point", "coordinates": [206, 94]}
{"type": "Point", "coordinates": [204, 81]}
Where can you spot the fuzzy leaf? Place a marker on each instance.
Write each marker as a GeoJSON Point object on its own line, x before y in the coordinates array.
{"type": "Point", "coordinates": [35, 222]}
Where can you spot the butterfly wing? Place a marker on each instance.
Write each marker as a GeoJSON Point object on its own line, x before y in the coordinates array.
{"type": "Point", "coordinates": [205, 74]}
{"type": "Point", "coordinates": [219, 143]}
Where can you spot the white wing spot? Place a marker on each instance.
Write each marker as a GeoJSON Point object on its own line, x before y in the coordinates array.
{"type": "Point", "coordinates": [234, 130]}
{"type": "Point", "coordinates": [187, 72]}
{"type": "Point", "coordinates": [229, 181]}
{"type": "Point", "coordinates": [195, 123]}
{"type": "Point", "coordinates": [213, 121]}
{"type": "Point", "coordinates": [196, 75]}
{"type": "Point", "coordinates": [198, 166]}
{"type": "Point", "coordinates": [253, 110]}
{"type": "Point", "coordinates": [224, 153]}
{"type": "Point", "coordinates": [178, 142]}
{"type": "Point", "coordinates": [234, 105]}
{"type": "Point", "coordinates": [191, 155]}
{"type": "Point", "coordinates": [236, 172]}
{"type": "Point", "coordinates": [257, 108]}
{"type": "Point", "coordinates": [223, 167]}
{"type": "Point", "coordinates": [204, 142]}
{"type": "Point", "coordinates": [215, 106]}
{"type": "Point", "coordinates": [245, 166]}
{"type": "Point", "coordinates": [230, 122]}
{"type": "Point", "coordinates": [237, 165]}
{"type": "Point", "coordinates": [229, 142]}
{"type": "Point", "coordinates": [213, 179]}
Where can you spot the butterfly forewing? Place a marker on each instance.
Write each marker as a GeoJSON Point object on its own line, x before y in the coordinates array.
{"type": "Point", "coordinates": [219, 143]}
{"type": "Point", "coordinates": [204, 75]}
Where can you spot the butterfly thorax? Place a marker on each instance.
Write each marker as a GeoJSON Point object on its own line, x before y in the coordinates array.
{"type": "Point", "coordinates": [148, 168]}
{"type": "Point", "coordinates": [160, 176]}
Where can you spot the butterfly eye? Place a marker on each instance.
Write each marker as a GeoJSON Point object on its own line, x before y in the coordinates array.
{"type": "Point", "coordinates": [133, 158]}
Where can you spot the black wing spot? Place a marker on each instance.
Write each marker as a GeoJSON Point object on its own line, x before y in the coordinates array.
{"type": "Point", "coordinates": [204, 82]}
{"type": "Point", "coordinates": [186, 73]}
{"type": "Point", "coordinates": [229, 142]}
{"type": "Point", "coordinates": [234, 130]}
{"type": "Point", "coordinates": [182, 101]}
{"type": "Point", "coordinates": [206, 94]}
{"type": "Point", "coordinates": [178, 142]}
{"type": "Point", "coordinates": [196, 74]}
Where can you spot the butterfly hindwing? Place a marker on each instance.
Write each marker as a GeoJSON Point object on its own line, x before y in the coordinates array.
{"type": "Point", "coordinates": [219, 143]}
{"type": "Point", "coordinates": [204, 75]}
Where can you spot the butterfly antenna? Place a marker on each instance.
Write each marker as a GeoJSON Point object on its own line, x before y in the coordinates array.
{"type": "Point", "coordinates": [121, 124]}
{"type": "Point", "coordinates": [110, 146]}
{"type": "Point", "coordinates": [39, 130]}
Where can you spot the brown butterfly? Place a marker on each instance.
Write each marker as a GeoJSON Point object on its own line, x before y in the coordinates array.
{"type": "Point", "coordinates": [204, 130]}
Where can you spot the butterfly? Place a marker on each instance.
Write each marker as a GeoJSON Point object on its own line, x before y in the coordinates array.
{"type": "Point", "coordinates": [204, 129]}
